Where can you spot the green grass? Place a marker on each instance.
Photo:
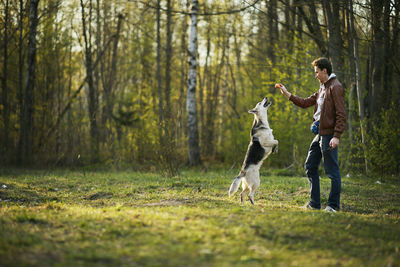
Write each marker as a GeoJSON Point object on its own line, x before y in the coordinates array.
{"type": "Point", "coordinates": [143, 219]}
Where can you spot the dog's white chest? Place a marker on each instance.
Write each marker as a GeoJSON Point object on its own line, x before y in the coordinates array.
{"type": "Point", "coordinates": [265, 137]}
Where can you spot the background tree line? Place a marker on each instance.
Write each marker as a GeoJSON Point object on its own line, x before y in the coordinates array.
{"type": "Point", "coordinates": [165, 82]}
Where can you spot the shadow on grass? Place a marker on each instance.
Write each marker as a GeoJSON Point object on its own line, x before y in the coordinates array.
{"type": "Point", "coordinates": [192, 201]}
{"type": "Point", "coordinates": [17, 194]}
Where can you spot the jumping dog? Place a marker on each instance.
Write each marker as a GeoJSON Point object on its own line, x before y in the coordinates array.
{"type": "Point", "coordinates": [262, 144]}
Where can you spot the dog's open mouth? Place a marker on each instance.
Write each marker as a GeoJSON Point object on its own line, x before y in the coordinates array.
{"type": "Point", "coordinates": [267, 102]}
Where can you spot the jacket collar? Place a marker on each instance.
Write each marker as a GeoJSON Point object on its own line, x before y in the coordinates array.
{"type": "Point", "coordinates": [331, 77]}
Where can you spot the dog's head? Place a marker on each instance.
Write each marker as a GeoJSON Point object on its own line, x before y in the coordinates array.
{"type": "Point", "coordinates": [261, 108]}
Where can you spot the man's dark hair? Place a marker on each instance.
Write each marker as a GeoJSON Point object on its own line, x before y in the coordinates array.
{"type": "Point", "coordinates": [323, 63]}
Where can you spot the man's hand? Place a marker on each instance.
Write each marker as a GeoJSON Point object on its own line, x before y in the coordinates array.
{"type": "Point", "coordinates": [334, 142]}
{"type": "Point", "coordinates": [283, 90]}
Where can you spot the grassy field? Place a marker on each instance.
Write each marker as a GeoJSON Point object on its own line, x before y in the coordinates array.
{"type": "Point", "coordinates": [71, 218]}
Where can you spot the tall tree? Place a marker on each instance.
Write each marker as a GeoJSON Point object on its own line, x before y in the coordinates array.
{"type": "Point", "coordinates": [357, 76]}
{"type": "Point", "coordinates": [4, 95]}
{"type": "Point", "coordinates": [183, 76]}
{"type": "Point", "coordinates": [335, 41]}
{"type": "Point", "coordinates": [26, 133]}
{"type": "Point", "coordinates": [168, 60]}
{"type": "Point", "coordinates": [313, 24]}
{"type": "Point", "coordinates": [272, 29]}
{"type": "Point", "coordinates": [20, 77]}
{"type": "Point", "coordinates": [158, 68]}
{"type": "Point", "coordinates": [386, 98]}
{"type": "Point", "coordinates": [193, 132]}
{"type": "Point", "coordinates": [92, 103]}
{"type": "Point", "coordinates": [377, 60]}
{"type": "Point", "coordinates": [203, 87]}
{"type": "Point", "coordinates": [109, 81]}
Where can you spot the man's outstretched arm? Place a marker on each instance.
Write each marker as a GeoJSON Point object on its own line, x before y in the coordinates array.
{"type": "Point", "coordinates": [298, 101]}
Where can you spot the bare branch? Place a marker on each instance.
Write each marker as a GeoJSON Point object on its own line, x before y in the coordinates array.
{"type": "Point", "coordinates": [228, 11]}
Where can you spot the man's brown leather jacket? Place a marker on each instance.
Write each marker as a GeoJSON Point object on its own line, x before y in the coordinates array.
{"type": "Point", "coordinates": [333, 113]}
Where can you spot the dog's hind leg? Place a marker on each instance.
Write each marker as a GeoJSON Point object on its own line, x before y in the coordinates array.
{"type": "Point", "coordinates": [254, 186]}
{"type": "Point", "coordinates": [241, 195]}
{"type": "Point", "coordinates": [251, 196]}
{"type": "Point", "coordinates": [245, 187]}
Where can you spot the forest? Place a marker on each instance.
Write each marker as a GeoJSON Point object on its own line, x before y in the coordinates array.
{"type": "Point", "coordinates": [164, 84]}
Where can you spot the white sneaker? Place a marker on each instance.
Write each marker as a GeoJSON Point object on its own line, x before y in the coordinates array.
{"type": "Point", "coordinates": [329, 209]}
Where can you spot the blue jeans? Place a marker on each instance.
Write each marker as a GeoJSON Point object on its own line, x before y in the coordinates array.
{"type": "Point", "coordinates": [320, 148]}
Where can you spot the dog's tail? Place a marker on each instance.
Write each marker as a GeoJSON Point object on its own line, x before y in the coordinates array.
{"type": "Point", "coordinates": [235, 184]}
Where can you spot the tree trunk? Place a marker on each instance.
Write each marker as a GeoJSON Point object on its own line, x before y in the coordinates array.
{"type": "Point", "coordinates": [238, 53]}
{"type": "Point", "coordinates": [395, 50]}
{"type": "Point", "coordinates": [70, 136]}
{"type": "Point", "coordinates": [299, 24]}
{"type": "Point", "coordinates": [377, 61]}
{"type": "Point", "coordinates": [158, 70]}
{"type": "Point", "coordinates": [272, 29]}
{"type": "Point", "coordinates": [386, 97]}
{"type": "Point", "coordinates": [222, 103]}
{"type": "Point", "coordinates": [193, 132]}
{"type": "Point", "coordinates": [94, 142]}
{"type": "Point", "coordinates": [108, 88]}
{"type": "Point", "coordinates": [358, 78]}
{"type": "Point", "coordinates": [353, 78]}
{"type": "Point", "coordinates": [97, 71]}
{"type": "Point", "coordinates": [4, 95]}
{"type": "Point", "coordinates": [26, 134]}
{"type": "Point", "coordinates": [335, 41]}
{"type": "Point", "coordinates": [313, 25]}
{"type": "Point", "coordinates": [168, 59]}
{"type": "Point", "coordinates": [20, 78]}
{"type": "Point", "coordinates": [180, 126]}
{"type": "Point", "coordinates": [109, 83]}
{"type": "Point", "coordinates": [290, 21]}
{"type": "Point", "coordinates": [205, 86]}
{"type": "Point", "coordinates": [212, 105]}
{"type": "Point", "coordinates": [74, 96]}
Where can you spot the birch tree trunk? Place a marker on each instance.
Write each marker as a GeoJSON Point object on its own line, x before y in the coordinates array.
{"type": "Point", "coordinates": [193, 131]}
{"type": "Point", "coordinates": [26, 134]}
{"type": "Point", "coordinates": [183, 72]}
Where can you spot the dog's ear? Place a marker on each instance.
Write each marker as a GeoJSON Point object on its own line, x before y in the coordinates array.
{"type": "Point", "coordinates": [254, 111]}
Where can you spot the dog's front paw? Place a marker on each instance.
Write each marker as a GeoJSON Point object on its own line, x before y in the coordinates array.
{"type": "Point", "coordinates": [275, 149]}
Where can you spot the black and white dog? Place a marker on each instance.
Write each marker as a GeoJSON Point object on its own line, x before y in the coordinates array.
{"type": "Point", "coordinates": [262, 144]}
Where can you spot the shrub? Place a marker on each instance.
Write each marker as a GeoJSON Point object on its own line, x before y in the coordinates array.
{"type": "Point", "coordinates": [382, 143]}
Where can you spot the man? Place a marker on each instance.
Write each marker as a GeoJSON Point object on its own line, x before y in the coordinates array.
{"type": "Point", "coordinates": [329, 121]}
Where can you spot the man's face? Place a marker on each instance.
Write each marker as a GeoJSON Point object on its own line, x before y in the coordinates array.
{"type": "Point", "coordinates": [321, 75]}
